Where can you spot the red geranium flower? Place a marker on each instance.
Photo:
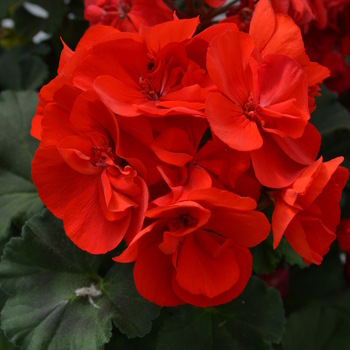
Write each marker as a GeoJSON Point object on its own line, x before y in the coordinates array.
{"type": "Point", "coordinates": [82, 179]}
{"type": "Point", "coordinates": [196, 251]}
{"type": "Point", "coordinates": [307, 212]}
{"type": "Point", "coordinates": [146, 73]}
{"type": "Point", "coordinates": [263, 108]}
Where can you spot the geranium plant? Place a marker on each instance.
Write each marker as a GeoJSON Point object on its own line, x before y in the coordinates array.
{"type": "Point", "coordinates": [180, 180]}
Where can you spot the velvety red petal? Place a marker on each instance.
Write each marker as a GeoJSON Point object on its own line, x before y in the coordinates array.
{"type": "Point", "coordinates": [228, 65]}
{"type": "Point", "coordinates": [230, 125]}
{"type": "Point", "coordinates": [296, 237]}
{"type": "Point", "coordinates": [124, 60]}
{"type": "Point", "coordinates": [76, 152]}
{"type": "Point", "coordinates": [282, 215]}
{"type": "Point", "coordinates": [66, 54]}
{"type": "Point", "coordinates": [55, 125]}
{"type": "Point", "coordinates": [247, 229]}
{"type": "Point", "coordinates": [149, 235]}
{"type": "Point", "coordinates": [244, 261]}
{"type": "Point", "coordinates": [89, 115]}
{"type": "Point", "coordinates": [213, 197]}
{"type": "Point", "coordinates": [205, 266]}
{"type": "Point", "coordinates": [286, 40]}
{"type": "Point", "coordinates": [153, 273]}
{"type": "Point", "coordinates": [304, 149]}
{"type": "Point", "coordinates": [274, 168]}
{"type": "Point", "coordinates": [57, 183]}
{"type": "Point", "coordinates": [119, 97]}
{"type": "Point", "coordinates": [173, 146]}
{"type": "Point", "coordinates": [86, 225]}
{"type": "Point", "coordinates": [262, 24]}
{"type": "Point", "coordinates": [158, 36]}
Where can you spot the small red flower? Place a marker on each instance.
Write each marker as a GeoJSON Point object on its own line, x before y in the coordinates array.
{"type": "Point", "coordinates": [196, 251]}
{"type": "Point", "coordinates": [82, 179]}
{"type": "Point", "coordinates": [307, 212]}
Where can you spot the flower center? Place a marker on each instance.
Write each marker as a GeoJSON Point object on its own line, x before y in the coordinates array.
{"type": "Point", "coordinates": [104, 156]}
{"type": "Point", "coordinates": [149, 88]}
{"type": "Point", "coordinates": [124, 8]}
{"type": "Point", "coordinates": [185, 220]}
{"type": "Point", "coordinates": [251, 113]}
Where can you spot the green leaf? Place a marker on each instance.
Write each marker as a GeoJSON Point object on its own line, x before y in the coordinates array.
{"type": "Point", "coordinates": [322, 284]}
{"type": "Point", "coordinates": [329, 115]}
{"type": "Point", "coordinates": [252, 321]}
{"type": "Point", "coordinates": [291, 256]}
{"type": "Point", "coordinates": [21, 71]}
{"type": "Point", "coordinates": [316, 328]}
{"type": "Point", "coordinates": [43, 271]}
{"type": "Point", "coordinates": [4, 7]}
{"type": "Point", "coordinates": [265, 258]}
{"type": "Point", "coordinates": [18, 196]}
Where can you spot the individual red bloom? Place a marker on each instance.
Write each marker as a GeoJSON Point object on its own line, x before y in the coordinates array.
{"type": "Point", "coordinates": [262, 108]}
{"type": "Point", "coordinates": [196, 251]}
{"type": "Point", "coordinates": [98, 195]}
{"type": "Point", "coordinates": [126, 15]}
{"type": "Point", "coordinates": [146, 73]}
{"type": "Point", "coordinates": [307, 212]}
{"type": "Point", "coordinates": [343, 235]}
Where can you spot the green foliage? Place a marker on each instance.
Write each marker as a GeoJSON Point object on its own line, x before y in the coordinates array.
{"type": "Point", "coordinates": [329, 115]}
{"type": "Point", "coordinates": [316, 328]}
{"type": "Point", "coordinates": [18, 197]}
{"type": "Point", "coordinates": [42, 272]}
{"type": "Point", "coordinates": [252, 321]}
{"type": "Point", "coordinates": [23, 70]}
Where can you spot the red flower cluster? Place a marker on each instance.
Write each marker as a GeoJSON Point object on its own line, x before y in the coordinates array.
{"type": "Point", "coordinates": [168, 140]}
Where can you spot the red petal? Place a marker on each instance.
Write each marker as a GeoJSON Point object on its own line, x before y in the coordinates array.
{"type": "Point", "coordinates": [57, 183]}
{"type": "Point", "coordinates": [247, 229]}
{"type": "Point", "coordinates": [119, 97]}
{"type": "Point", "coordinates": [244, 261]}
{"type": "Point", "coordinates": [206, 266]}
{"type": "Point", "coordinates": [274, 168]}
{"type": "Point", "coordinates": [262, 24]}
{"type": "Point", "coordinates": [230, 125]}
{"type": "Point", "coordinates": [86, 225]}
{"type": "Point", "coordinates": [213, 197]}
{"type": "Point", "coordinates": [153, 274]}
{"type": "Point", "coordinates": [173, 146]}
{"type": "Point", "coordinates": [228, 65]}
{"type": "Point", "coordinates": [158, 36]}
